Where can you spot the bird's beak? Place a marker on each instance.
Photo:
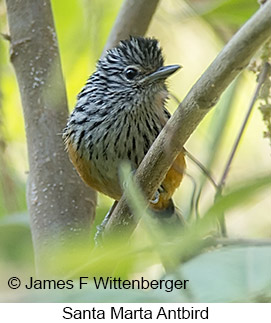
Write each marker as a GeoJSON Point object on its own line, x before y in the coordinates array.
{"type": "Point", "coordinates": [162, 72]}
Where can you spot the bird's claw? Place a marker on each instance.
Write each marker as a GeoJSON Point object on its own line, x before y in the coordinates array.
{"type": "Point", "coordinates": [155, 198]}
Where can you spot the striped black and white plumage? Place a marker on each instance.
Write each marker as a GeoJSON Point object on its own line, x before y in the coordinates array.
{"type": "Point", "coordinates": [119, 112]}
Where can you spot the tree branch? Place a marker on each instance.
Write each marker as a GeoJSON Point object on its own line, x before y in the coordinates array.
{"type": "Point", "coordinates": [55, 191]}
{"type": "Point", "coordinates": [133, 19]}
{"type": "Point", "coordinates": [202, 97]}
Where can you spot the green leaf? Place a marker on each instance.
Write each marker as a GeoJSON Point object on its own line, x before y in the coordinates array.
{"type": "Point", "coordinates": [238, 195]}
{"type": "Point", "coordinates": [191, 239]}
{"type": "Point", "coordinates": [233, 274]}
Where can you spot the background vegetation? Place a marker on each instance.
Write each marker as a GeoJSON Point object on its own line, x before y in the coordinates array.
{"type": "Point", "coordinates": [191, 34]}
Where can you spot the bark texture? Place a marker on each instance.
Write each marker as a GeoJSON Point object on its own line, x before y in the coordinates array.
{"type": "Point", "coordinates": [61, 206]}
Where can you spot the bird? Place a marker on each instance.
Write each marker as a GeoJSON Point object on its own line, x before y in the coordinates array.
{"type": "Point", "coordinates": [119, 113]}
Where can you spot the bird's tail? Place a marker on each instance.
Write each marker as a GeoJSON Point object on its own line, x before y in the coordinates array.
{"type": "Point", "coordinates": [169, 216]}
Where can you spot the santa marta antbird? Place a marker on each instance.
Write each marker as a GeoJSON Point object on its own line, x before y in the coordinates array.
{"type": "Point", "coordinates": [118, 115]}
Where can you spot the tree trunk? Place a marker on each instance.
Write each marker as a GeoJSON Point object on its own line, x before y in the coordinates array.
{"type": "Point", "coordinates": [61, 206]}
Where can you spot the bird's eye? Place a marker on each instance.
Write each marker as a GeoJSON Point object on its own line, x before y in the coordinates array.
{"type": "Point", "coordinates": [131, 73]}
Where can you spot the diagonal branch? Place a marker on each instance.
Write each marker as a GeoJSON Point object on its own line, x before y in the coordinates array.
{"type": "Point", "coordinates": [202, 97]}
{"type": "Point", "coordinates": [55, 191]}
{"type": "Point", "coordinates": [133, 19]}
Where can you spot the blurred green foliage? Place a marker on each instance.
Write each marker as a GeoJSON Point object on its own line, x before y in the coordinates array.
{"type": "Point", "coordinates": [218, 276]}
{"type": "Point", "coordinates": [198, 29]}
{"type": "Point", "coordinates": [232, 13]}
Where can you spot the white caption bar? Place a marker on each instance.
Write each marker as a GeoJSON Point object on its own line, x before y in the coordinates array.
{"type": "Point", "coordinates": [152, 312]}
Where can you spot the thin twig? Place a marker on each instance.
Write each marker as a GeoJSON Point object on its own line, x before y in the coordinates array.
{"type": "Point", "coordinates": [192, 199]}
{"type": "Point", "coordinates": [261, 80]}
{"type": "Point", "coordinates": [202, 168]}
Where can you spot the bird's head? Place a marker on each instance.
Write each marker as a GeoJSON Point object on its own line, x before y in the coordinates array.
{"type": "Point", "coordinates": [134, 70]}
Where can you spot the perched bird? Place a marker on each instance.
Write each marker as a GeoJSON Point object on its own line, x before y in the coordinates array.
{"type": "Point", "coordinates": [117, 117]}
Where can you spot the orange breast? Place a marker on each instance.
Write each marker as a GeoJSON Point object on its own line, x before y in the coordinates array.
{"type": "Point", "coordinates": [87, 171]}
